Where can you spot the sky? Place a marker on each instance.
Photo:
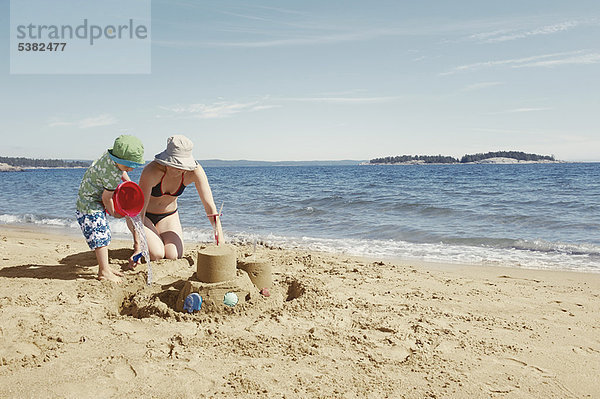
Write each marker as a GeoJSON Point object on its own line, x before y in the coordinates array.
{"type": "Point", "coordinates": [329, 80]}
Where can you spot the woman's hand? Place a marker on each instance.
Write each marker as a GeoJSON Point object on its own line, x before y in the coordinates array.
{"type": "Point", "coordinates": [134, 260]}
{"type": "Point", "coordinates": [215, 221]}
{"type": "Point", "coordinates": [220, 232]}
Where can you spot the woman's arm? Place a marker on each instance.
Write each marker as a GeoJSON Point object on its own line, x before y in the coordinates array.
{"type": "Point", "coordinates": [205, 193]}
{"type": "Point", "coordinates": [150, 177]}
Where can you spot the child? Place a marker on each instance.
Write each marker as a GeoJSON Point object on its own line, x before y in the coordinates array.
{"type": "Point", "coordinates": [95, 197]}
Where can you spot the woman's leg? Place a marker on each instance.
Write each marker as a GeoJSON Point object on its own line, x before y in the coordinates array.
{"type": "Point", "coordinates": [171, 234]}
{"type": "Point", "coordinates": [156, 248]}
{"type": "Point", "coordinates": [155, 243]}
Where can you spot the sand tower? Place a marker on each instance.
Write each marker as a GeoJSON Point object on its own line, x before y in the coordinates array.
{"type": "Point", "coordinates": [216, 275]}
{"type": "Point", "coordinates": [259, 271]}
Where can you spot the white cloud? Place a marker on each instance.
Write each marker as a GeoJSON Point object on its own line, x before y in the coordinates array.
{"type": "Point", "coordinates": [521, 110]}
{"type": "Point", "coordinates": [345, 100]}
{"type": "Point", "coordinates": [261, 107]}
{"type": "Point", "coordinates": [86, 123]}
{"type": "Point", "coordinates": [57, 122]}
{"type": "Point", "coordinates": [530, 109]}
{"type": "Point", "coordinates": [219, 109]}
{"type": "Point", "coordinates": [310, 32]}
{"type": "Point", "coordinates": [342, 93]}
{"type": "Point", "coordinates": [545, 60]}
{"type": "Point", "coordinates": [278, 9]}
{"type": "Point", "coordinates": [584, 59]}
{"type": "Point", "coordinates": [97, 121]}
{"type": "Point", "coordinates": [481, 86]}
{"type": "Point", "coordinates": [484, 36]}
{"type": "Point", "coordinates": [502, 36]}
{"type": "Point", "coordinates": [494, 130]}
{"type": "Point", "coordinates": [225, 109]}
{"type": "Point", "coordinates": [311, 39]}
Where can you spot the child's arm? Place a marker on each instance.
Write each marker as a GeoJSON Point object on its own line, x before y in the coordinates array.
{"type": "Point", "coordinates": [107, 200]}
{"type": "Point", "coordinates": [125, 176]}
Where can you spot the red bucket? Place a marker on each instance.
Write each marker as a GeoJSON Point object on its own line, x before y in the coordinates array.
{"type": "Point", "coordinates": [128, 199]}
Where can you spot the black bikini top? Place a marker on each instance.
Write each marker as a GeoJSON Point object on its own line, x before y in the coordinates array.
{"type": "Point", "coordinates": [157, 190]}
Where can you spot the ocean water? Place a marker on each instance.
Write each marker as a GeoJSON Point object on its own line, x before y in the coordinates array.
{"type": "Point", "coordinates": [526, 215]}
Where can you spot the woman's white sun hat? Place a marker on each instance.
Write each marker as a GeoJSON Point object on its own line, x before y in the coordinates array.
{"type": "Point", "coordinates": [178, 153]}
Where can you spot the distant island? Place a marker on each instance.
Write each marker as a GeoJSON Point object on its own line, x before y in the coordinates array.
{"type": "Point", "coordinates": [15, 164]}
{"type": "Point", "coordinates": [28, 163]}
{"type": "Point", "coordinates": [504, 157]}
{"type": "Point", "coordinates": [9, 164]}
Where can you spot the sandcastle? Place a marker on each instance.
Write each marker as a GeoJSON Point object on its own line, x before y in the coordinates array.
{"type": "Point", "coordinates": [259, 271]}
{"type": "Point", "coordinates": [218, 272]}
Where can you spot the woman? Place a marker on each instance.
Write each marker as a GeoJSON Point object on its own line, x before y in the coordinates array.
{"type": "Point", "coordinates": [162, 181]}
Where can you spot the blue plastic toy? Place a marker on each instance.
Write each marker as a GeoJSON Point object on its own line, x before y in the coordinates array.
{"type": "Point", "coordinates": [192, 303]}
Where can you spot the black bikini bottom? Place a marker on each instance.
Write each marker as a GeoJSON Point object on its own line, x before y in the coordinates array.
{"type": "Point", "coordinates": [157, 217]}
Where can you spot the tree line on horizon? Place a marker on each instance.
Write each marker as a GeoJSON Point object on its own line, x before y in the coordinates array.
{"type": "Point", "coordinates": [519, 155]}
{"type": "Point", "coordinates": [442, 159]}
{"type": "Point", "coordinates": [42, 163]}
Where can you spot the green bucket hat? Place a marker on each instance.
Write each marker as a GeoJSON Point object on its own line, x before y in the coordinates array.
{"type": "Point", "coordinates": [127, 150]}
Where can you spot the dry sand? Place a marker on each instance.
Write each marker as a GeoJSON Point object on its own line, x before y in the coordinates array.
{"type": "Point", "coordinates": [334, 326]}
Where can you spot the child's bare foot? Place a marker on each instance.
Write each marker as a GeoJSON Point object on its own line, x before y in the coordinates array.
{"type": "Point", "coordinates": [110, 275]}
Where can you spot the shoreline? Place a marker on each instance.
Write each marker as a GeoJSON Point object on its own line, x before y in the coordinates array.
{"type": "Point", "coordinates": [511, 264]}
{"type": "Point", "coordinates": [48, 232]}
{"type": "Point", "coordinates": [249, 164]}
{"type": "Point", "coordinates": [45, 232]}
{"type": "Point", "coordinates": [334, 326]}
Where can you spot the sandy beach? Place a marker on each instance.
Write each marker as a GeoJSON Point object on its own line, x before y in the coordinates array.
{"type": "Point", "coordinates": [334, 326]}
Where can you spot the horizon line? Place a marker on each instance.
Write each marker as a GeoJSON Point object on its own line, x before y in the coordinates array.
{"type": "Point", "coordinates": [282, 161]}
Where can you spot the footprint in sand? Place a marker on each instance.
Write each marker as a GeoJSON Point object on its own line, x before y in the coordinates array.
{"type": "Point", "coordinates": [545, 373]}
{"type": "Point", "coordinates": [124, 372]}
